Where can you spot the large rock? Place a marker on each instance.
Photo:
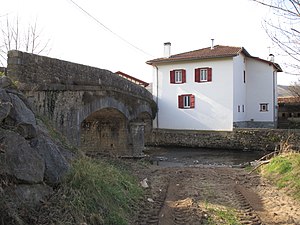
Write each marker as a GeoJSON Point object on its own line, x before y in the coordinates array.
{"type": "Point", "coordinates": [5, 82]}
{"type": "Point", "coordinates": [5, 104]}
{"type": "Point", "coordinates": [19, 160]}
{"type": "Point", "coordinates": [20, 112]}
{"type": "Point", "coordinates": [56, 164]}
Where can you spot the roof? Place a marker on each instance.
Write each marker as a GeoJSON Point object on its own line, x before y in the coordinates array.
{"type": "Point", "coordinates": [132, 79]}
{"type": "Point", "coordinates": [289, 99]}
{"type": "Point", "coordinates": [219, 51]}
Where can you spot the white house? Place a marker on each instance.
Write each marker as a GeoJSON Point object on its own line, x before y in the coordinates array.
{"type": "Point", "coordinates": [214, 88]}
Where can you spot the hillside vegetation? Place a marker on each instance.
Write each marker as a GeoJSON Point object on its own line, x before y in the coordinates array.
{"type": "Point", "coordinates": [94, 192]}
{"type": "Point", "coordinates": [284, 171]}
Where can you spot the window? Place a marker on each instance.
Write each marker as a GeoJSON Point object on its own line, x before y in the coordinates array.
{"type": "Point", "coordinates": [186, 101]}
{"type": "Point", "coordinates": [244, 76]}
{"type": "Point", "coordinates": [177, 76]}
{"type": "Point", "coordinates": [243, 108]}
{"type": "Point", "coordinates": [263, 107]}
{"type": "Point", "coordinates": [239, 108]}
{"type": "Point", "coordinates": [203, 74]}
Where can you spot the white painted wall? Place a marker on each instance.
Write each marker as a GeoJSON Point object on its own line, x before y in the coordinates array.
{"type": "Point", "coordinates": [213, 100]}
{"type": "Point", "coordinates": [239, 89]}
{"type": "Point", "coordinates": [260, 89]}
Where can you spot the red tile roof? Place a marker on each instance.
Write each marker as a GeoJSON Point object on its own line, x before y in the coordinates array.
{"type": "Point", "coordinates": [132, 79]}
{"type": "Point", "coordinates": [219, 51]}
{"type": "Point", "coordinates": [288, 99]}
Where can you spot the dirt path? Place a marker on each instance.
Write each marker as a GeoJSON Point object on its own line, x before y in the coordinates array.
{"type": "Point", "coordinates": [213, 196]}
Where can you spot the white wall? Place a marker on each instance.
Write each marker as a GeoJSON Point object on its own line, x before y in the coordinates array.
{"type": "Point", "coordinates": [213, 100]}
{"type": "Point", "coordinates": [260, 89]}
{"type": "Point", "coordinates": [239, 88]}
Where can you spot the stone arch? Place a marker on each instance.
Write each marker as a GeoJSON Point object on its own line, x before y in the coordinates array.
{"type": "Point", "coordinates": [102, 103]}
{"type": "Point", "coordinates": [105, 131]}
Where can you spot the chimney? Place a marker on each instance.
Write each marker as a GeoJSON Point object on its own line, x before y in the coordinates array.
{"type": "Point", "coordinates": [167, 49]}
{"type": "Point", "coordinates": [212, 44]}
{"type": "Point", "coordinates": [271, 57]}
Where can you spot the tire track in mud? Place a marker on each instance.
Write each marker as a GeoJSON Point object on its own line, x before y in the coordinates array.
{"type": "Point", "coordinates": [245, 211]}
{"type": "Point", "coordinates": [153, 203]}
{"type": "Point", "coordinates": [192, 196]}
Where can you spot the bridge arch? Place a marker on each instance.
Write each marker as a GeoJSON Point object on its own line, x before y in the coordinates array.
{"type": "Point", "coordinates": [105, 131]}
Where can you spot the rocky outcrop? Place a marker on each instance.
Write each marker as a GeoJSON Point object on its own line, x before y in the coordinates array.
{"type": "Point", "coordinates": [31, 162]}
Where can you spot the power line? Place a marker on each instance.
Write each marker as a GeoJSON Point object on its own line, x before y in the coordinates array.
{"type": "Point", "coordinates": [109, 30]}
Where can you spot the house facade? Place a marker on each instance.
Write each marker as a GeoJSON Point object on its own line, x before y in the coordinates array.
{"type": "Point", "coordinates": [215, 88]}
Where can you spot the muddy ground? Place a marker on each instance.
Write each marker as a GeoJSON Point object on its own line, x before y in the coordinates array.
{"type": "Point", "coordinates": [210, 195]}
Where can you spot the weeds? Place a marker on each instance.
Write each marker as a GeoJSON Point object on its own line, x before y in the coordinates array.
{"type": "Point", "coordinates": [284, 171]}
{"type": "Point", "coordinates": [218, 216]}
{"type": "Point", "coordinates": [282, 167]}
{"type": "Point", "coordinates": [95, 192]}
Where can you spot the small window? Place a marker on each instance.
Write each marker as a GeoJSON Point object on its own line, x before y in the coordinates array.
{"type": "Point", "coordinates": [244, 76]}
{"type": "Point", "coordinates": [186, 101]}
{"type": "Point", "coordinates": [177, 76]}
{"type": "Point", "coordinates": [203, 74]}
{"type": "Point", "coordinates": [263, 107]}
{"type": "Point", "coordinates": [239, 108]}
{"type": "Point", "coordinates": [243, 108]}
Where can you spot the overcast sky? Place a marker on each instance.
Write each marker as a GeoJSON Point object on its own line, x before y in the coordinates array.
{"type": "Point", "coordinates": [124, 34]}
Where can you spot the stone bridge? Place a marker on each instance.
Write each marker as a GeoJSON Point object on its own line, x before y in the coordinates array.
{"type": "Point", "coordinates": [95, 109]}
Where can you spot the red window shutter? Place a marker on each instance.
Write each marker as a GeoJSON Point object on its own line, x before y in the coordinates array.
{"type": "Point", "coordinates": [192, 100]}
{"type": "Point", "coordinates": [180, 101]}
{"type": "Point", "coordinates": [172, 77]}
{"type": "Point", "coordinates": [197, 75]}
{"type": "Point", "coordinates": [183, 76]}
{"type": "Point", "coordinates": [209, 74]}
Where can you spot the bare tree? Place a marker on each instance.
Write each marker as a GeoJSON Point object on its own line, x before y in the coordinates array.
{"type": "Point", "coordinates": [13, 38]}
{"type": "Point", "coordinates": [294, 89]}
{"type": "Point", "coordinates": [284, 29]}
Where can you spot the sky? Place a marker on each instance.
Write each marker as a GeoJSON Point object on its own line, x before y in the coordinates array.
{"type": "Point", "coordinates": [121, 35]}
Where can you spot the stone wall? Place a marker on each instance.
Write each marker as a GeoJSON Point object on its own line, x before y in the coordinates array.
{"type": "Point", "coordinates": [43, 73]}
{"type": "Point", "coordinates": [239, 139]}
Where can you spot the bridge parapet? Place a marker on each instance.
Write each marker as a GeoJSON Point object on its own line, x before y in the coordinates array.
{"type": "Point", "coordinates": [44, 73]}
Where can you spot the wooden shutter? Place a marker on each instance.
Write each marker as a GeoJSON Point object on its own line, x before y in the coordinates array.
{"type": "Point", "coordinates": [180, 101]}
{"type": "Point", "coordinates": [192, 101]}
{"type": "Point", "coordinates": [172, 77]}
{"type": "Point", "coordinates": [209, 74]}
{"type": "Point", "coordinates": [183, 76]}
{"type": "Point", "coordinates": [197, 75]}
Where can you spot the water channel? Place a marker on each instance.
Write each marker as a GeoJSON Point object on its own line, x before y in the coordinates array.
{"type": "Point", "coordinates": [180, 156]}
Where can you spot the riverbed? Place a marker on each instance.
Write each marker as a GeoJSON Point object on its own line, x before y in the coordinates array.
{"type": "Point", "coordinates": [179, 156]}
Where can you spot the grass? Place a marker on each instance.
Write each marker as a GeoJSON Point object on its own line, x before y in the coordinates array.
{"type": "Point", "coordinates": [224, 216]}
{"type": "Point", "coordinates": [284, 171]}
{"type": "Point", "coordinates": [96, 192]}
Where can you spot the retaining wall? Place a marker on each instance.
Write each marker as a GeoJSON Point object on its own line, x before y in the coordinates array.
{"type": "Point", "coordinates": [240, 139]}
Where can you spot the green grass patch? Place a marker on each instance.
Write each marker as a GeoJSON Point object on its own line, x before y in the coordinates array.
{"type": "Point", "coordinates": [101, 192]}
{"type": "Point", "coordinates": [222, 216]}
{"type": "Point", "coordinates": [284, 172]}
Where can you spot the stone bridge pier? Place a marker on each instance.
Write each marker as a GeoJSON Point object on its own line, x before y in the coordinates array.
{"type": "Point", "coordinates": [95, 109]}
